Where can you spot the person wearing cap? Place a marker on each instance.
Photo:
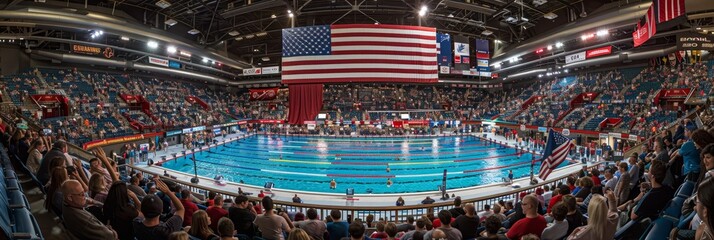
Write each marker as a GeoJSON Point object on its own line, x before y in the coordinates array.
{"type": "Point", "coordinates": [83, 224]}
{"type": "Point", "coordinates": [150, 227]}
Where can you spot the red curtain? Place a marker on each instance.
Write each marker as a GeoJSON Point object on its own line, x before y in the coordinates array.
{"type": "Point", "coordinates": [305, 102]}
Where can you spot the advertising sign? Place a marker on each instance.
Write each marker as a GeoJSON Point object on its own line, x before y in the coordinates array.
{"type": "Point", "coordinates": [598, 52]}
{"type": "Point", "coordinates": [159, 61]}
{"type": "Point", "coordinates": [252, 71]}
{"type": "Point", "coordinates": [575, 57]}
{"type": "Point", "coordinates": [173, 64]}
{"type": "Point", "coordinates": [271, 70]}
{"type": "Point", "coordinates": [444, 69]}
{"type": "Point", "coordinates": [695, 41]}
{"type": "Point", "coordinates": [90, 50]}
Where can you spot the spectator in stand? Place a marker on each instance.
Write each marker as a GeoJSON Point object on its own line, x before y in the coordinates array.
{"type": "Point", "coordinates": [135, 188]}
{"type": "Point", "coordinates": [150, 227]}
{"type": "Point", "coordinates": [468, 223]}
{"type": "Point", "coordinates": [200, 226]}
{"type": "Point", "coordinates": [216, 211]}
{"type": "Point", "coordinates": [622, 190]}
{"type": "Point", "coordinates": [226, 229]}
{"type": "Point", "coordinates": [356, 231]}
{"type": "Point", "coordinates": [559, 228]}
{"type": "Point", "coordinates": [189, 206]}
{"type": "Point", "coordinates": [705, 207]}
{"type": "Point", "coordinates": [559, 192]}
{"type": "Point", "coordinates": [533, 223]}
{"type": "Point", "coordinates": [610, 179]}
{"type": "Point", "coordinates": [655, 200]}
{"type": "Point", "coordinates": [298, 234]}
{"type": "Point", "coordinates": [272, 225]}
{"type": "Point", "coordinates": [457, 210]}
{"type": "Point", "coordinates": [242, 214]}
{"type": "Point", "coordinates": [420, 227]}
{"type": "Point", "coordinates": [602, 221]}
{"type": "Point", "coordinates": [690, 153]}
{"type": "Point", "coordinates": [595, 177]}
{"type": "Point", "coordinates": [547, 194]}
{"type": "Point", "coordinates": [379, 233]}
{"type": "Point", "coordinates": [337, 229]}
{"type": "Point", "coordinates": [493, 225]}
{"type": "Point", "coordinates": [315, 228]}
{"type": "Point", "coordinates": [391, 230]}
{"type": "Point", "coordinates": [119, 212]}
{"type": "Point", "coordinates": [449, 232]}
{"type": "Point", "coordinates": [97, 188]}
{"type": "Point", "coordinates": [408, 226]}
{"type": "Point", "coordinates": [83, 225]}
{"type": "Point", "coordinates": [487, 212]}
{"type": "Point", "coordinates": [59, 148]}
{"type": "Point", "coordinates": [35, 155]}
{"type": "Point", "coordinates": [575, 217]}
{"type": "Point", "coordinates": [587, 184]}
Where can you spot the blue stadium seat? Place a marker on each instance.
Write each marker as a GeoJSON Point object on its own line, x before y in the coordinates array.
{"type": "Point", "coordinates": [686, 189]}
{"type": "Point", "coordinates": [658, 230]}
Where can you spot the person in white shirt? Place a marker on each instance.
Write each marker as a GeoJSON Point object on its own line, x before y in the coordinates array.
{"type": "Point", "coordinates": [485, 213]}
{"type": "Point", "coordinates": [610, 179]}
{"type": "Point", "coordinates": [547, 195]}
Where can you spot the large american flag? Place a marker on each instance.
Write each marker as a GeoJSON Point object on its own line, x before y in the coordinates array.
{"type": "Point", "coordinates": [556, 150]}
{"type": "Point", "coordinates": [359, 53]}
{"type": "Point", "coordinates": [668, 9]}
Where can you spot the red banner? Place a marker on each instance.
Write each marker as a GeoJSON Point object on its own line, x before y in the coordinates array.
{"type": "Point", "coordinates": [598, 52]}
{"type": "Point", "coordinates": [646, 31]}
{"type": "Point", "coordinates": [262, 94]}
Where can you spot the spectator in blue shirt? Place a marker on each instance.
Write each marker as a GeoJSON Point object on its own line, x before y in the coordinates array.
{"type": "Point", "coordinates": [337, 228]}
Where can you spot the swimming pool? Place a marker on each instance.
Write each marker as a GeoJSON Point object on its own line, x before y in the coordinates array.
{"type": "Point", "coordinates": [310, 163]}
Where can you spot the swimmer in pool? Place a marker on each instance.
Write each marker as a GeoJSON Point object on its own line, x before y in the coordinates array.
{"type": "Point", "coordinates": [388, 170]}
{"type": "Point", "coordinates": [389, 182]}
{"type": "Point", "coordinates": [333, 184]}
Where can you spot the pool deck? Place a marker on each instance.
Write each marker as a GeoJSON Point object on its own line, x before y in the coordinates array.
{"type": "Point", "coordinates": [338, 198]}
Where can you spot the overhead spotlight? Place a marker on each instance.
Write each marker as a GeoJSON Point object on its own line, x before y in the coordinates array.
{"type": "Point", "coordinates": [699, 28]}
{"type": "Point", "coordinates": [205, 60]}
{"type": "Point", "coordinates": [497, 41]}
{"type": "Point", "coordinates": [171, 49]}
{"type": "Point", "coordinates": [185, 54]}
{"type": "Point", "coordinates": [125, 38]}
{"type": "Point", "coordinates": [487, 32]}
{"type": "Point", "coordinates": [101, 32]}
{"type": "Point", "coordinates": [194, 31]}
{"type": "Point", "coordinates": [152, 44]}
{"type": "Point", "coordinates": [233, 33]}
{"type": "Point", "coordinates": [450, 15]}
{"type": "Point", "coordinates": [265, 59]}
{"type": "Point", "coordinates": [566, 70]}
{"type": "Point", "coordinates": [273, 16]}
{"type": "Point", "coordinates": [249, 36]}
{"type": "Point", "coordinates": [238, 38]}
{"type": "Point", "coordinates": [290, 11]}
{"type": "Point", "coordinates": [261, 34]}
{"type": "Point", "coordinates": [559, 44]}
{"type": "Point", "coordinates": [94, 36]}
{"type": "Point", "coordinates": [601, 33]}
{"type": "Point", "coordinates": [540, 75]}
{"type": "Point", "coordinates": [290, 15]}
{"type": "Point", "coordinates": [422, 11]}
{"type": "Point", "coordinates": [171, 22]}
{"type": "Point", "coordinates": [376, 23]}
{"type": "Point", "coordinates": [550, 47]}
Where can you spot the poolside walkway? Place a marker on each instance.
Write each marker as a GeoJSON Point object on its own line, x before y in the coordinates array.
{"type": "Point", "coordinates": [338, 198]}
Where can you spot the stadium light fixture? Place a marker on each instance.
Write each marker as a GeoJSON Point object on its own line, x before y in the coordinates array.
{"type": "Point", "coordinates": [152, 44]}
{"type": "Point", "coordinates": [273, 16]}
{"type": "Point", "coordinates": [205, 60]}
{"type": "Point", "coordinates": [559, 44]}
{"type": "Point", "coordinates": [550, 47]}
{"type": "Point", "coordinates": [602, 33]}
{"type": "Point", "coordinates": [185, 54]}
{"type": "Point", "coordinates": [171, 49]}
{"type": "Point", "coordinates": [422, 11]}
{"type": "Point", "coordinates": [125, 38]}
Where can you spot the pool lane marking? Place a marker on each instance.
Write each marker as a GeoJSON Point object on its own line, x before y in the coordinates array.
{"type": "Point", "coordinates": [281, 152]}
{"type": "Point", "coordinates": [384, 148]}
{"type": "Point", "coordinates": [391, 163]}
{"type": "Point", "coordinates": [360, 176]}
{"type": "Point", "coordinates": [298, 161]}
{"type": "Point", "coordinates": [294, 173]}
{"type": "Point", "coordinates": [407, 154]}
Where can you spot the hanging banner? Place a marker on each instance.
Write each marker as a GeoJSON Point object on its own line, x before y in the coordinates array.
{"type": "Point", "coordinates": [443, 49]}
{"type": "Point", "coordinates": [262, 94]}
{"type": "Point", "coordinates": [598, 52]}
{"type": "Point", "coordinates": [645, 29]}
{"type": "Point", "coordinates": [173, 64]}
{"type": "Point", "coordinates": [444, 69]}
{"type": "Point", "coordinates": [695, 41]}
{"type": "Point", "coordinates": [90, 50]}
{"type": "Point", "coordinates": [481, 63]}
{"type": "Point", "coordinates": [159, 61]}
{"type": "Point", "coordinates": [575, 57]}
{"type": "Point", "coordinates": [461, 53]}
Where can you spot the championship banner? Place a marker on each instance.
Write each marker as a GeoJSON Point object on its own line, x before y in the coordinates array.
{"type": "Point", "coordinates": [263, 94]}
{"type": "Point", "coordinates": [598, 52]}
{"type": "Point", "coordinates": [645, 30]}
{"type": "Point", "coordinates": [461, 53]}
{"type": "Point", "coordinates": [159, 61]}
{"type": "Point", "coordinates": [482, 49]}
{"type": "Point", "coordinates": [117, 140]}
{"type": "Point", "coordinates": [443, 49]}
{"type": "Point", "coordinates": [89, 50]}
{"type": "Point", "coordinates": [575, 57]}
{"type": "Point", "coordinates": [695, 41]}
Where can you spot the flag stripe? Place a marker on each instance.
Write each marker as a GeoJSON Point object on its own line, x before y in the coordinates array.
{"type": "Point", "coordinates": [294, 60]}
{"type": "Point", "coordinates": [385, 52]}
{"type": "Point", "coordinates": [353, 61]}
{"type": "Point", "coordinates": [364, 79]}
{"type": "Point", "coordinates": [359, 70]}
{"type": "Point", "coordinates": [337, 67]}
{"type": "Point", "coordinates": [383, 26]}
{"type": "Point", "coordinates": [336, 43]}
{"type": "Point", "coordinates": [383, 35]}
{"type": "Point", "coordinates": [358, 75]}
{"type": "Point", "coordinates": [363, 48]}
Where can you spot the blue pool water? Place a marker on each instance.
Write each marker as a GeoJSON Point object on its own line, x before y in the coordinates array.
{"type": "Point", "coordinates": [309, 163]}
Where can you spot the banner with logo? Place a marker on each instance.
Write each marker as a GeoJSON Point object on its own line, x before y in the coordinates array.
{"type": "Point", "coordinates": [252, 71]}
{"type": "Point", "coordinates": [444, 69]}
{"type": "Point", "coordinates": [575, 57]}
{"type": "Point", "coordinates": [645, 28]}
{"type": "Point", "coordinates": [598, 52]}
{"type": "Point", "coordinates": [159, 61]}
{"type": "Point", "coordinates": [174, 64]}
{"type": "Point", "coordinates": [481, 63]}
{"type": "Point", "coordinates": [461, 53]}
{"type": "Point", "coordinates": [695, 41]}
{"type": "Point", "coordinates": [271, 70]}
{"type": "Point", "coordinates": [482, 49]}
{"type": "Point", "coordinates": [262, 94]}
{"type": "Point", "coordinates": [90, 50]}
{"type": "Point", "coordinates": [443, 49]}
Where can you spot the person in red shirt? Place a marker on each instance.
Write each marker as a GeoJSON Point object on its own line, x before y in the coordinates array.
{"type": "Point", "coordinates": [216, 211]}
{"type": "Point", "coordinates": [595, 175]}
{"type": "Point", "coordinates": [558, 194]}
{"type": "Point", "coordinates": [261, 194]}
{"type": "Point", "coordinates": [188, 205]}
{"type": "Point", "coordinates": [533, 223]}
